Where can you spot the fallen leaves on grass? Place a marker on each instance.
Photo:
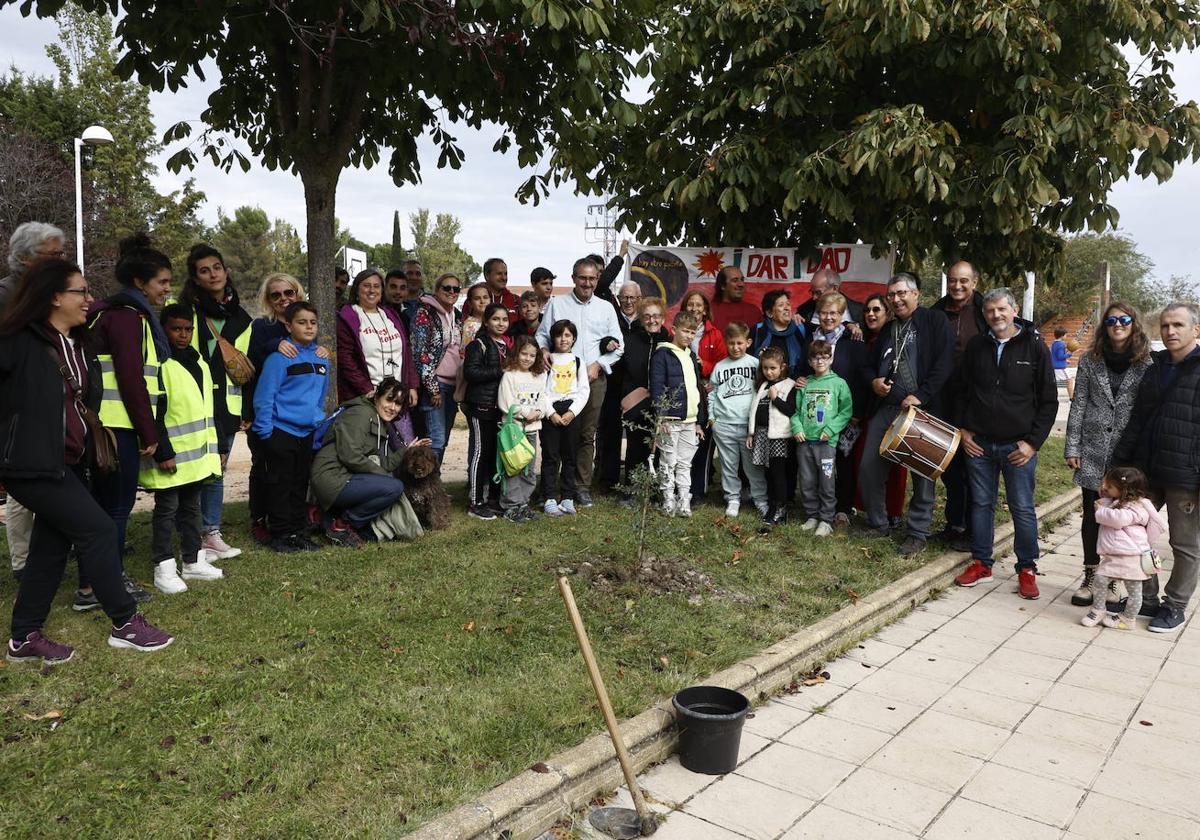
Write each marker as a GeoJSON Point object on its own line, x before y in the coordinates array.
{"type": "Point", "coordinates": [540, 767]}
{"type": "Point", "coordinates": [853, 595]}
{"type": "Point", "coordinates": [469, 626]}
{"type": "Point", "coordinates": [167, 742]}
{"type": "Point", "coordinates": [53, 714]}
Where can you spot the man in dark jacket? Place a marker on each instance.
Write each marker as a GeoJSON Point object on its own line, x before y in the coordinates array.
{"type": "Point", "coordinates": [824, 281]}
{"type": "Point", "coordinates": [1163, 440]}
{"type": "Point", "coordinates": [909, 365]}
{"type": "Point", "coordinates": [963, 307]}
{"type": "Point", "coordinates": [1010, 403]}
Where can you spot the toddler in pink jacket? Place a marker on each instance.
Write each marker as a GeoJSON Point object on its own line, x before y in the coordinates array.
{"type": "Point", "coordinates": [1129, 524]}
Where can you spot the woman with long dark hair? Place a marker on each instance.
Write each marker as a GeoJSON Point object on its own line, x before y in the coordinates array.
{"type": "Point", "coordinates": [1106, 385]}
{"type": "Point", "coordinates": [876, 314]}
{"type": "Point", "coordinates": [211, 293]}
{"type": "Point", "coordinates": [46, 370]}
{"type": "Point", "coordinates": [131, 345]}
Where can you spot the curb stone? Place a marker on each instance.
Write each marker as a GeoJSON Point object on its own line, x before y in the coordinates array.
{"type": "Point", "coordinates": [530, 803]}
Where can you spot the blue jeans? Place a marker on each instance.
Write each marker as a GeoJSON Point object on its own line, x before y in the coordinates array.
{"type": "Point", "coordinates": [438, 420]}
{"type": "Point", "coordinates": [984, 473]}
{"type": "Point", "coordinates": [212, 497]}
{"type": "Point", "coordinates": [367, 495]}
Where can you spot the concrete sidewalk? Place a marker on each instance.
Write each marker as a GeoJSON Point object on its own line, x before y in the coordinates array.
{"type": "Point", "coordinates": [979, 715]}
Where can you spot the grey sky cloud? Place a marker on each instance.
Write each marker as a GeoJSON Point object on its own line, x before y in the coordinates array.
{"type": "Point", "coordinates": [1160, 218]}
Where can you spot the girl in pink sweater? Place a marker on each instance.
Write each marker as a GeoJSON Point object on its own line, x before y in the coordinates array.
{"type": "Point", "coordinates": [1129, 524]}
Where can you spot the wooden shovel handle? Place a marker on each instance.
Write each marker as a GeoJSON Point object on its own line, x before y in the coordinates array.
{"type": "Point", "coordinates": [610, 719]}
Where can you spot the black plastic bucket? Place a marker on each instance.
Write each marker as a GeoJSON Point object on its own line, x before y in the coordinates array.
{"type": "Point", "coordinates": [710, 728]}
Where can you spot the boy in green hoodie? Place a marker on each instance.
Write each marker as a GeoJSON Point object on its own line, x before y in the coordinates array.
{"type": "Point", "coordinates": [823, 409]}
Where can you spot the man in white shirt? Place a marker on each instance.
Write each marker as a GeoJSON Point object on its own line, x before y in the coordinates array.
{"type": "Point", "coordinates": [594, 319]}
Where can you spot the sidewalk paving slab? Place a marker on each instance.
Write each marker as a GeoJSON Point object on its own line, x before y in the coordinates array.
{"type": "Point", "coordinates": [978, 716]}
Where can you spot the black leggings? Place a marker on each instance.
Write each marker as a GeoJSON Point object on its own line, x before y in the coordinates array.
{"type": "Point", "coordinates": [1090, 530]}
{"type": "Point", "coordinates": [779, 471]}
{"type": "Point", "coordinates": [559, 444]}
{"type": "Point", "coordinates": [65, 514]}
{"type": "Point", "coordinates": [483, 424]}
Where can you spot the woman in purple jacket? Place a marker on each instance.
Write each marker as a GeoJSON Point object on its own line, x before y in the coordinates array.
{"type": "Point", "coordinates": [373, 344]}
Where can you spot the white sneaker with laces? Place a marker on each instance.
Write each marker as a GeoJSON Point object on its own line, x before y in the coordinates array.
{"type": "Point", "coordinates": [167, 579]}
{"type": "Point", "coordinates": [824, 530]}
{"type": "Point", "coordinates": [215, 545]}
{"type": "Point", "coordinates": [202, 569]}
{"type": "Point", "coordinates": [733, 508]}
{"type": "Point", "coordinates": [809, 525]}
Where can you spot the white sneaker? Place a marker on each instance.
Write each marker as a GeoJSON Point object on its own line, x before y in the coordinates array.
{"type": "Point", "coordinates": [762, 508]}
{"type": "Point", "coordinates": [167, 579]}
{"type": "Point", "coordinates": [733, 508]}
{"type": "Point", "coordinates": [202, 569]}
{"type": "Point", "coordinates": [668, 507]}
{"type": "Point", "coordinates": [684, 508]}
{"type": "Point", "coordinates": [214, 545]}
{"type": "Point", "coordinates": [809, 525]}
{"type": "Point", "coordinates": [824, 529]}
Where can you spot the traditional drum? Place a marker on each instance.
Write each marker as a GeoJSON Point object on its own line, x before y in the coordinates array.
{"type": "Point", "coordinates": [921, 442]}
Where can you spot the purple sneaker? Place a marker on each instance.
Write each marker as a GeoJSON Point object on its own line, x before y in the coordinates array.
{"type": "Point", "coordinates": [37, 647]}
{"type": "Point", "coordinates": [139, 634]}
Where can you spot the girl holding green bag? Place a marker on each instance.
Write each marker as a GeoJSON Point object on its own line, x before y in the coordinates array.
{"type": "Point", "coordinates": [521, 398]}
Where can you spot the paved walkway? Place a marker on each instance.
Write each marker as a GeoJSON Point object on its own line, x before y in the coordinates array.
{"type": "Point", "coordinates": [977, 716]}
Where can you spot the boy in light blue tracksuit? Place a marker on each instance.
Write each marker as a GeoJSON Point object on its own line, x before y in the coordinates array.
{"type": "Point", "coordinates": [731, 401]}
{"type": "Point", "coordinates": [679, 398]}
{"type": "Point", "coordinates": [289, 404]}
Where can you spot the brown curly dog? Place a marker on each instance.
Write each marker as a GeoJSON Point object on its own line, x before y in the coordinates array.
{"type": "Point", "coordinates": [422, 477]}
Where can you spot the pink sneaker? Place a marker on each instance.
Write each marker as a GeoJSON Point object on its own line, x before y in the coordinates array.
{"type": "Point", "coordinates": [37, 648]}
{"type": "Point", "coordinates": [139, 634]}
{"type": "Point", "coordinates": [213, 544]}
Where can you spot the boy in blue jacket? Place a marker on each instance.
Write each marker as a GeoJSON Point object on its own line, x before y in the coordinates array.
{"type": "Point", "coordinates": [289, 404]}
{"type": "Point", "coordinates": [678, 397]}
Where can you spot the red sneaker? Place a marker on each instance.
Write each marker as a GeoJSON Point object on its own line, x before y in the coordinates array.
{"type": "Point", "coordinates": [974, 573]}
{"type": "Point", "coordinates": [1027, 584]}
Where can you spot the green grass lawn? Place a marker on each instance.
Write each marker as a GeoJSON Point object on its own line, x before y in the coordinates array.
{"type": "Point", "coordinates": [361, 693]}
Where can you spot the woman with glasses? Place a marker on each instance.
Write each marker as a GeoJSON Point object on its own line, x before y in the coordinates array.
{"type": "Point", "coordinates": [437, 350]}
{"type": "Point", "coordinates": [47, 372]}
{"type": "Point", "coordinates": [268, 334]}
{"type": "Point", "coordinates": [1106, 384]}
{"type": "Point", "coordinates": [635, 397]}
{"type": "Point", "coordinates": [875, 315]}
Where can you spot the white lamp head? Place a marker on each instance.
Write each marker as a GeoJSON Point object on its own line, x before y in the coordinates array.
{"type": "Point", "coordinates": [96, 135]}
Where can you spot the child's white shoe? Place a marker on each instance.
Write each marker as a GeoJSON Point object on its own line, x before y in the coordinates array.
{"type": "Point", "coordinates": [684, 508]}
{"type": "Point", "coordinates": [202, 569]}
{"type": "Point", "coordinates": [1115, 621]}
{"type": "Point", "coordinates": [167, 579]}
{"type": "Point", "coordinates": [551, 508]}
{"type": "Point", "coordinates": [567, 506]}
{"type": "Point", "coordinates": [733, 508]}
{"type": "Point", "coordinates": [810, 525]}
{"type": "Point", "coordinates": [824, 529]}
{"type": "Point", "coordinates": [1093, 617]}
{"type": "Point", "coordinates": [762, 507]}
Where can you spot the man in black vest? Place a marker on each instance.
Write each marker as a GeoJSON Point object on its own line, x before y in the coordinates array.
{"type": "Point", "coordinates": [910, 363]}
{"type": "Point", "coordinates": [1163, 440]}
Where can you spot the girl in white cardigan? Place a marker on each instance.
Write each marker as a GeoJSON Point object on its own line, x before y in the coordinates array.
{"type": "Point", "coordinates": [522, 389]}
{"type": "Point", "coordinates": [567, 392]}
{"type": "Point", "coordinates": [770, 430]}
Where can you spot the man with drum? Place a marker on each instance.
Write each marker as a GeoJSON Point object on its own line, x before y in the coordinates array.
{"type": "Point", "coordinates": [910, 364]}
{"type": "Point", "coordinates": [1011, 402]}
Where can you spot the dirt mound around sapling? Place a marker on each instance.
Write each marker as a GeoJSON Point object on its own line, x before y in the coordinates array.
{"type": "Point", "coordinates": [659, 575]}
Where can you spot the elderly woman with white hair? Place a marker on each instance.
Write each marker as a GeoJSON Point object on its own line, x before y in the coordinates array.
{"type": "Point", "coordinates": [30, 242]}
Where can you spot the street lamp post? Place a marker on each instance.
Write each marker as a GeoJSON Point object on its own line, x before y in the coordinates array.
{"type": "Point", "coordinates": [95, 135]}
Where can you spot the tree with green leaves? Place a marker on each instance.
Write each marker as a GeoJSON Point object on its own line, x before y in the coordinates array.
{"type": "Point", "coordinates": [119, 196]}
{"type": "Point", "coordinates": [982, 129]}
{"type": "Point", "coordinates": [436, 247]}
{"type": "Point", "coordinates": [318, 86]}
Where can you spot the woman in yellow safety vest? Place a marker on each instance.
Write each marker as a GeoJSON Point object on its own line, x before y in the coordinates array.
{"type": "Point", "coordinates": [209, 290]}
{"type": "Point", "coordinates": [131, 346]}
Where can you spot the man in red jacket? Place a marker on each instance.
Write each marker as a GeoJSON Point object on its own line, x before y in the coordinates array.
{"type": "Point", "coordinates": [728, 304]}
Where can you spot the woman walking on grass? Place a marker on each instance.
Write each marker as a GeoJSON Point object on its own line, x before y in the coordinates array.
{"type": "Point", "coordinates": [46, 373]}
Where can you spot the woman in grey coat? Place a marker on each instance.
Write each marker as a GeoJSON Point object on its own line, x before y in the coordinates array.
{"type": "Point", "coordinates": [1106, 384]}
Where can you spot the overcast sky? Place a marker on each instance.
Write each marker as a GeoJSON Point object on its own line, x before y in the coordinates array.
{"type": "Point", "coordinates": [1161, 219]}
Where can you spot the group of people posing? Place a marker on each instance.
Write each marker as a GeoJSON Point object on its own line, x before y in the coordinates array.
{"type": "Point", "coordinates": [144, 389]}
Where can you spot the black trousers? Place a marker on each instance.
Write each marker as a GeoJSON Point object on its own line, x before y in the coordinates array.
{"type": "Point", "coordinates": [780, 474]}
{"type": "Point", "coordinates": [958, 493]}
{"type": "Point", "coordinates": [483, 425]}
{"type": "Point", "coordinates": [176, 509]}
{"type": "Point", "coordinates": [66, 514]}
{"type": "Point", "coordinates": [637, 443]}
{"type": "Point", "coordinates": [258, 477]}
{"type": "Point", "coordinates": [559, 444]}
{"type": "Point", "coordinates": [1090, 530]}
{"type": "Point", "coordinates": [609, 433]}
{"type": "Point", "coordinates": [288, 460]}
{"type": "Point", "coordinates": [702, 466]}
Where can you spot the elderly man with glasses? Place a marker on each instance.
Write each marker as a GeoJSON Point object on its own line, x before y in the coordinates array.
{"type": "Point", "coordinates": [910, 362]}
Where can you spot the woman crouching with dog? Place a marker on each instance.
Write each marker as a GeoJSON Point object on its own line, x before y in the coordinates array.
{"type": "Point", "coordinates": [353, 473]}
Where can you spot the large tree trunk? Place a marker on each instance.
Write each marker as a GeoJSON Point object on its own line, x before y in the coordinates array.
{"type": "Point", "coordinates": [320, 193]}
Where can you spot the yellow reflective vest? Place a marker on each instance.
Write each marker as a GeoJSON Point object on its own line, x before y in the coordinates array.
{"type": "Point", "coordinates": [190, 428]}
{"type": "Point", "coordinates": [112, 408]}
{"type": "Point", "coordinates": [233, 393]}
